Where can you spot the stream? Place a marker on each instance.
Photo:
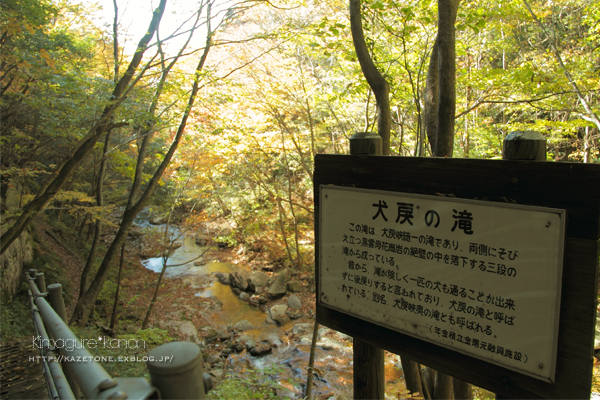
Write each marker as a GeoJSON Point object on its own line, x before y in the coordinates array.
{"type": "Point", "coordinates": [287, 364]}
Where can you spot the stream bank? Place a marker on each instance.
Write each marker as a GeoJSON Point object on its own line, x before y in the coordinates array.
{"type": "Point", "coordinates": [251, 316]}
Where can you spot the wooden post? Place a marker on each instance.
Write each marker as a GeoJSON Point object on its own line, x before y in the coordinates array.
{"type": "Point", "coordinates": [56, 300]}
{"type": "Point", "coordinates": [41, 281]}
{"type": "Point", "coordinates": [523, 145]}
{"type": "Point", "coordinates": [369, 370]}
{"type": "Point", "coordinates": [176, 371]}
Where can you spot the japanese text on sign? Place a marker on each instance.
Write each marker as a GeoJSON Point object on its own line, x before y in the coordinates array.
{"type": "Point", "coordinates": [478, 277]}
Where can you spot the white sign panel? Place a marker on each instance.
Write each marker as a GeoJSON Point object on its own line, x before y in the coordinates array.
{"type": "Point", "coordinates": [477, 277]}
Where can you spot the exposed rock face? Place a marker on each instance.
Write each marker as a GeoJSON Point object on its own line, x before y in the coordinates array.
{"type": "Point", "coordinates": [12, 262]}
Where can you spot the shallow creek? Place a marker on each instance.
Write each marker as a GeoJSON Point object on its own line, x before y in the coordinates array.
{"type": "Point", "coordinates": [289, 360]}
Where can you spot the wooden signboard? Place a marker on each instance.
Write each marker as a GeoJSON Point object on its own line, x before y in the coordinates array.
{"type": "Point", "coordinates": [485, 270]}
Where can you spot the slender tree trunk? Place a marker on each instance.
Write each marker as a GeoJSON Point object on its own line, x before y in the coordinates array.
{"type": "Point", "coordinates": [462, 390]}
{"type": "Point", "coordinates": [64, 171]}
{"type": "Point", "coordinates": [440, 110]}
{"type": "Point", "coordinates": [113, 317]}
{"type": "Point", "coordinates": [85, 274]}
{"type": "Point", "coordinates": [431, 98]}
{"type": "Point", "coordinates": [446, 110]}
{"type": "Point", "coordinates": [376, 81]}
{"type": "Point", "coordinates": [83, 307]}
{"type": "Point", "coordinates": [165, 258]}
{"type": "Point", "coordinates": [412, 375]}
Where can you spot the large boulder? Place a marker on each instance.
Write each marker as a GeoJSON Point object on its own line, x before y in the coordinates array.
{"type": "Point", "coordinates": [239, 279]}
{"type": "Point", "coordinates": [294, 302]}
{"type": "Point", "coordinates": [295, 286]}
{"type": "Point", "coordinates": [278, 314]}
{"type": "Point", "coordinates": [224, 279]}
{"type": "Point", "coordinates": [279, 287]}
{"type": "Point", "coordinates": [256, 281]}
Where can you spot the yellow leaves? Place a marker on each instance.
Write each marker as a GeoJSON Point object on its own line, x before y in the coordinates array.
{"type": "Point", "coordinates": [48, 59]}
{"type": "Point", "coordinates": [73, 196]}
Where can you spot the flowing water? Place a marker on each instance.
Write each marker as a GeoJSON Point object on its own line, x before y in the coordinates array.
{"type": "Point", "coordinates": [287, 364]}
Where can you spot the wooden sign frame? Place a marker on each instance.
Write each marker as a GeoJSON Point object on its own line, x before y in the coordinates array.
{"type": "Point", "coordinates": [570, 186]}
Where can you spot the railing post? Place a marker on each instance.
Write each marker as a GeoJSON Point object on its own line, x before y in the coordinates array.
{"type": "Point", "coordinates": [176, 371]}
{"type": "Point", "coordinates": [523, 145]}
{"type": "Point", "coordinates": [57, 301]}
{"type": "Point", "coordinates": [41, 281]}
{"type": "Point", "coordinates": [368, 359]}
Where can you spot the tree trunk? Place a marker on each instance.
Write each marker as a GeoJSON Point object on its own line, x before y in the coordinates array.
{"type": "Point", "coordinates": [83, 307]}
{"type": "Point", "coordinates": [440, 110]}
{"type": "Point", "coordinates": [412, 376]}
{"type": "Point", "coordinates": [64, 171]}
{"type": "Point", "coordinates": [446, 108]}
{"type": "Point", "coordinates": [431, 98]}
{"type": "Point", "coordinates": [376, 81]}
{"type": "Point", "coordinates": [85, 274]}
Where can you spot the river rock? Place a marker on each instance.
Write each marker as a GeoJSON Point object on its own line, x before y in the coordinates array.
{"type": "Point", "coordinates": [202, 240]}
{"type": "Point", "coordinates": [217, 373]}
{"type": "Point", "coordinates": [175, 245]}
{"type": "Point", "coordinates": [224, 279]}
{"type": "Point", "coordinates": [224, 335]}
{"type": "Point", "coordinates": [213, 359]}
{"type": "Point", "coordinates": [294, 314]}
{"type": "Point", "coordinates": [305, 327]}
{"type": "Point", "coordinates": [294, 302]}
{"type": "Point", "coordinates": [279, 286]}
{"type": "Point", "coordinates": [162, 219]}
{"type": "Point", "coordinates": [260, 349]}
{"type": "Point", "coordinates": [148, 251]}
{"type": "Point", "coordinates": [257, 300]}
{"type": "Point", "coordinates": [277, 314]}
{"type": "Point", "coordinates": [247, 341]}
{"type": "Point", "coordinates": [188, 331]}
{"type": "Point", "coordinates": [237, 347]}
{"type": "Point", "coordinates": [227, 351]}
{"type": "Point", "coordinates": [210, 334]}
{"type": "Point", "coordinates": [295, 286]}
{"type": "Point", "coordinates": [327, 343]}
{"type": "Point", "coordinates": [239, 279]}
{"type": "Point", "coordinates": [256, 281]}
{"type": "Point", "coordinates": [243, 325]}
{"type": "Point", "coordinates": [244, 296]}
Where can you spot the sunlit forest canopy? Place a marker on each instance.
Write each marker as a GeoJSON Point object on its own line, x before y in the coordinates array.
{"type": "Point", "coordinates": [250, 91]}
